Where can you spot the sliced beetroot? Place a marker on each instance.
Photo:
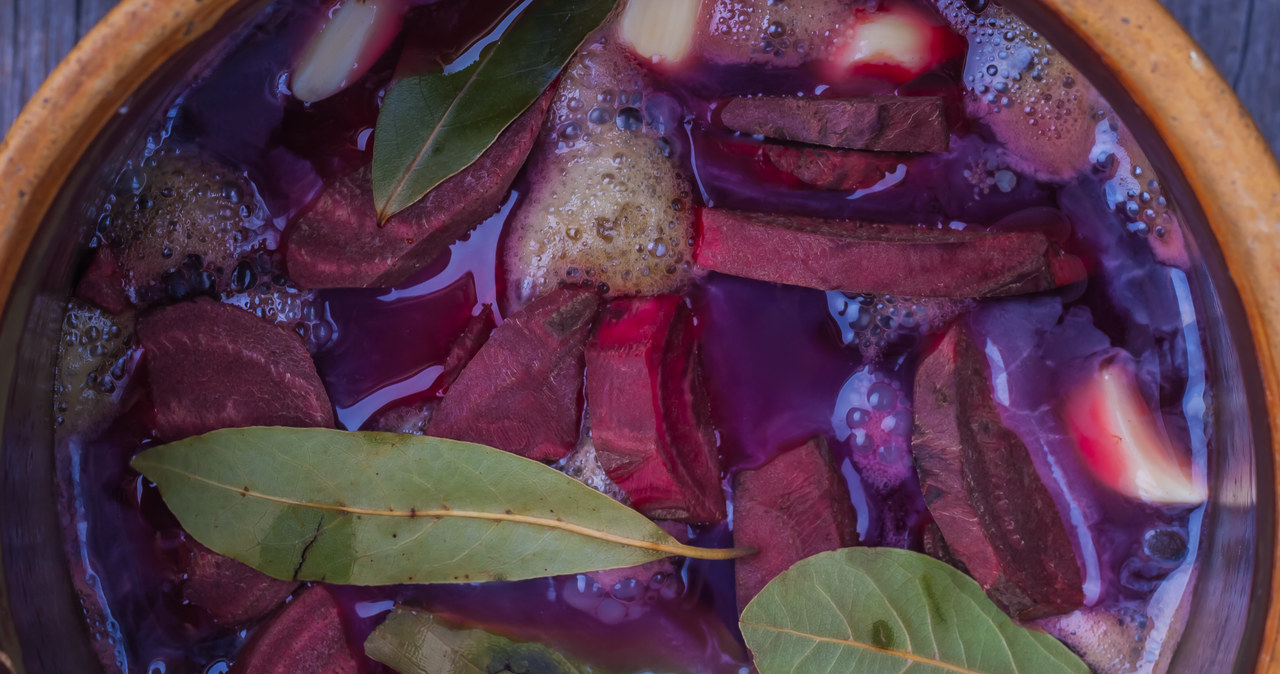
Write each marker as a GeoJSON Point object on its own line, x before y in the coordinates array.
{"type": "Point", "coordinates": [995, 514]}
{"type": "Point", "coordinates": [649, 412]}
{"type": "Point", "coordinates": [232, 593]}
{"type": "Point", "coordinates": [414, 417]}
{"type": "Point", "coordinates": [828, 169]}
{"type": "Point", "coordinates": [103, 282]}
{"type": "Point", "coordinates": [308, 637]}
{"type": "Point", "coordinates": [860, 257]}
{"type": "Point", "coordinates": [522, 392]}
{"type": "Point", "coordinates": [339, 243]}
{"type": "Point", "coordinates": [881, 123]}
{"type": "Point", "coordinates": [214, 366]}
{"type": "Point", "coordinates": [793, 507]}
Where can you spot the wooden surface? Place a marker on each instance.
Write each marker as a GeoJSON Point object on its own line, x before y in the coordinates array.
{"type": "Point", "coordinates": [1238, 36]}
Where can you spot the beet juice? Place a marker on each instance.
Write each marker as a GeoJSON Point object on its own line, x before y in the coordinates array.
{"type": "Point", "coordinates": [790, 276]}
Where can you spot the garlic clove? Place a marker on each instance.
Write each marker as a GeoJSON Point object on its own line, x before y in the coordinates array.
{"type": "Point", "coordinates": [354, 37]}
{"type": "Point", "coordinates": [659, 30]}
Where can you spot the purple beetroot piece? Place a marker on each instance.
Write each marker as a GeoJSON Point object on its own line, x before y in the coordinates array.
{"type": "Point", "coordinates": [213, 366]}
{"type": "Point", "coordinates": [522, 392]}
{"type": "Point", "coordinates": [828, 169]}
{"type": "Point", "coordinates": [230, 592]}
{"type": "Point", "coordinates": [881, 123]}
{"type": "Point", "coordinates": [308, 637]}
{"type": "Point", "coordinates": [994, 513]}
{"type": "Point", "coordinates": [860, 257]}
{"type": "Point", "coordinates": [650, 419]}
{"type": "Point", "coordinates": [339, 243]}
{"type": "Point", "coordinates": [793, 507]}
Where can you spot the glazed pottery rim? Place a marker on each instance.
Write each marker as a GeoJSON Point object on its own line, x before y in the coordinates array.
{"type": "Point", "coordinates": [1228, 164]}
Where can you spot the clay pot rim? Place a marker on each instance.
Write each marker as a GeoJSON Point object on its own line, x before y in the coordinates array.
{"type": "Point", "coordinates": [1228, 165]}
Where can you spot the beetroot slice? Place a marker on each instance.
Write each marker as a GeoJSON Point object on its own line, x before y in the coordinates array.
{"type": "Point", "coordinates": [306, 638]}
{"type": "Point", "coordinates": [995, 514]}
{"type": "Point", "coordinates": [859, 257]}
{"type": "Point", "coordinates": [232, 593]}
{"type": "Point", "coordinates": [793, 507]}
{"type": "Point", "coordinates": [214, 366]}
{"type": "Point", "coordinates": [338, 243]}
{"type": "Point", "coordinates": [103, 283]}
{"type": "Point", "coordinates": [649, 412]}
{"type": "Point", "coordinates": [522, 392]}
{"type": "Point", "coordinates": [840, 170]}
{"type": "Point", "coordinates": [881, 123]}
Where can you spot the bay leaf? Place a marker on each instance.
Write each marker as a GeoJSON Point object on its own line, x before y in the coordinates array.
{"type": "Point", "coordinates": [417, 642]}
{"type": "Point", "coordinates": [873, 610]}
{"type": "Point", "coordinates": [384, 508]}
{"type": "Point", "coordinates": [434, 125]}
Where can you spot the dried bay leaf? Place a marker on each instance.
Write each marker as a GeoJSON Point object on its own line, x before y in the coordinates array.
{"type": "Point", "coordinates": [873, 610]}
{"type": "Point", "coordinates": [433, 126]}
{"type": "Point", "coordinates": [416, 642]}
{"type": "Point", "coordinates": [384, 508]}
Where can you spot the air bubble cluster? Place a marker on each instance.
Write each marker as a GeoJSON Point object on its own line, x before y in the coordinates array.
{"type": "Point", "coordinates": [95, 361]}
{"type": "Point", "coordinates": [772, 32]}
{"type": "Point", "coordinates": [582, 465]}
{"type": "Point", "coordinates": [608, 207]}
{"type": "Point", "coordinates": [1036, 102]}
{"type": "Point", "coordinates": [622, 595]}
{"type": "Point", "coordinates": [873, 415]}
{"type": "Point", "coordinates": [173, 209]}
{"type": "Point", "coordinates": [874, 322]}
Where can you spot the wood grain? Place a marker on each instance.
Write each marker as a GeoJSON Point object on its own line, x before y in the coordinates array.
{"type": "Point", "coordinates": [1236, 34]}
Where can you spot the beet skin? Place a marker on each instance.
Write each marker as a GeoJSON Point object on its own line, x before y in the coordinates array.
{"type": "Point", "coordinates": [308, 637]}
{"type": "Point", "coordinates": [882, 123]}
{"type": "Point", "coordinates": [649, 412]}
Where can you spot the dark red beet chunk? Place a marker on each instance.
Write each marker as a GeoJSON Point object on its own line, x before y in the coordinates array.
{"type": "Point", "coordinates": [995, 515]}
{"type": "Point", "coordinates": [879, 259]}
{"type": "Point", "coordinates": [842, 170]}
{"type": "Point", "coordinates": [522, 392]}
{"type": "Point", "coordinates": [306, 638]}
{"type": "Point", "coordinates": [339, 242]}
{"type": "Point", "coordinates": [793, 507]}
{"type": "Point", "coordinates": [882, 123]}
{"type": "Point", "coordinates": [232, 593]}
{"type": "Point", "coordinates": [213, 366]}
{"type": "Point", "coordinates": [650, 419]}
{"type": "Point", "coordinates": [103, 283]}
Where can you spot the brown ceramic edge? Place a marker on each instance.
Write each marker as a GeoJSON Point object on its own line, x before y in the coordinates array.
{"type": "Point", "coordinates": [56, 127]}
{"type": "Point", "coordinates": [1137, 39]}
{"type": "Point", "coordinates": [1227, 163]}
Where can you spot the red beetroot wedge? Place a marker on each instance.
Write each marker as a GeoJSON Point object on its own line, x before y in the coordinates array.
{"type": "Point", "coordinates": [793, 507]}
{"type": "Point", "coordinates": [984, 492]}
{"type": "Point", "coordinates": [522, 392]}
{"type": "Point", "coordinates": [871, 258]}
{"type": "Point", "coordinates": [232, 593]}
{"type": "Point", "coordinates": [882, 123]}
{"type": "Point", "coordinates": [214, 366]}
{"type": "Point", "coordinates": [842, 170]}
{"type": "Point", "coordinates": [649, 412]}
{"type": "Point", "coordinates": [306, 638]}
{"type": "Point", "coordinates": [339, 243]}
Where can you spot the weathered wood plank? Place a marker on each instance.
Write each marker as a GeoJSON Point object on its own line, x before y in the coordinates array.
{"type": "Point", "coordinates": [1259, 81]}
{"type": "Point", "coordinates": [45, 31]}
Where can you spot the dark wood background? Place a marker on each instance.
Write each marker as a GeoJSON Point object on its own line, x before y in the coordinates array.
{"type": "Point", "coordinates": [1237, 35]}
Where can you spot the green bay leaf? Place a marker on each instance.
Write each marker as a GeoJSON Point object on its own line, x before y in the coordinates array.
{"type": "Point", "coordinates": [416, 642]}
{"type": "Point", "coordinates": [874, 610]}
{"type": "Point", "coordinates": [384, 508]}
{"type": "Point", "coordinates": [432, 126]}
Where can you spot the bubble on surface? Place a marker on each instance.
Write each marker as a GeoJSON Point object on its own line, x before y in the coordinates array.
{"type": "Point", "coordinates": [872, 323]}
{"type": "Point", "coordinates": [96, 359]}
{"type": "Point", "coordinates": [872, 414]}
{"type": "Point", "coordinates": [621, 595]}
{"type": "Point", "coordinates": [769, 32]}
{"type": "Point", "coordinates": [608, 207]}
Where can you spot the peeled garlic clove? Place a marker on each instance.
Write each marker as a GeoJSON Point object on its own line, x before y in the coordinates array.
{"type": "Point", "coordinates": [888, 39]}
{"type": "Point", "coordinates": [1121, 443]}
{"type": "Point", "coordinates": [659, 30]}
{"type": "Point", "coordinates": [356, 35]}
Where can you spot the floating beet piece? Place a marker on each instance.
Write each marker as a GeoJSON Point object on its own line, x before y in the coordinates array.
{"type": "Point", "coordinates": [995, 514]}
{"type": "Point", "coordinates": [96, 360]}
{"type": "Point", "coordinates": [649, 411]}
{"type": "Point", "coordinates": [881, 123]}
{"type": "Point", "coordinates": [523, 390]}
{"type": "Point", "coordinates": [871, 258]}
{"type": "Point", "coordinates": [213, 366]}
{"type": "Point", "coordinates": [793, 507]}
{"type": "Point", "coordinates": [103, 283]}
{"type": "Point", "coordinates": [339, 243]}
{"type": "Point", "coordinates": [840, 170]}
{"type": "Point", "coordinates": [232, 593]}
{"type": "Point", "coordinates": [1109, 640]}
{"type": "Point", "coordinates": [308, 637]}
{"type": "Point", "coordinates": [413, 418]}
